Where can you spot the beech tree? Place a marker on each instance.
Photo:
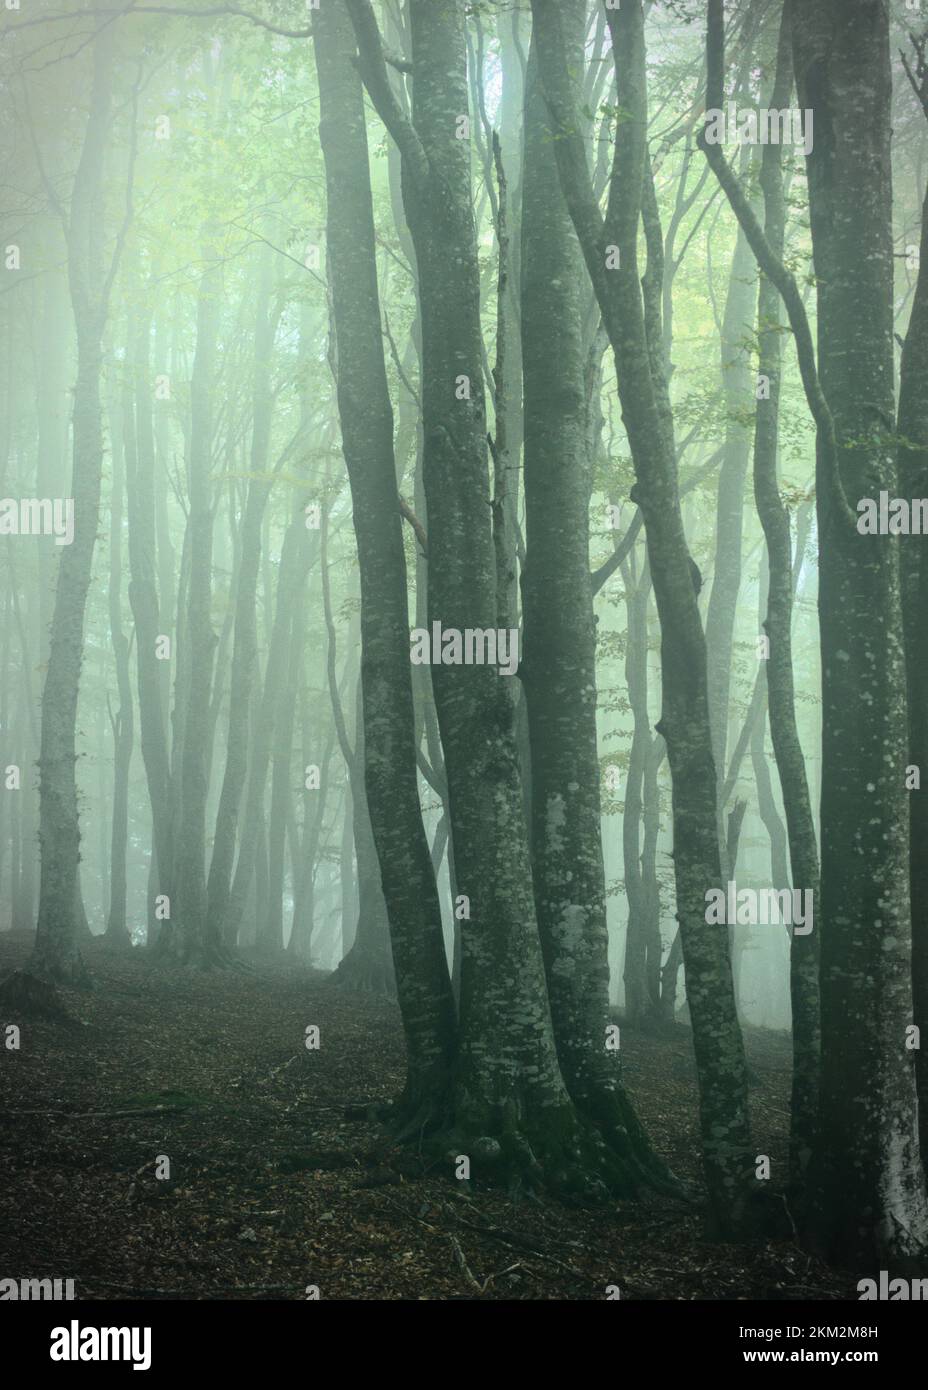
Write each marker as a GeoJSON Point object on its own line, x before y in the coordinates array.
{"type": "Point", "coordinates": [610, 250]}
{"type": "Point", "coordinates": [408, 334]}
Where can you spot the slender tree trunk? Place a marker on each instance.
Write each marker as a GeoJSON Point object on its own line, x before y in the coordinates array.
{"type": "Point", "coordinates": [147, 614]}
{"type": "Point", "coordinates": [737, 398]}
{"type": "Point", "coordinates": [189, 940]}
{"type": "Point", "coordinates": [636, 676]}
{"type": "Point", "coordinates": [245, 639]}
{"type": "Point", "coordinates": [123, 722]}
{"type": "Point", "coordinates": [912, 430]}
{"type": "Point", "coordinates": [56, 954]}
{"type": "Point", "coordinates": [610, 250]}
{"type": "Point", "coordinates": [559, 668]}
{"type": "Point", "coordinates": [295, 558]}
{"type": "Point", "coordinates": [281, 794]}
{"type": "Point", "coordinates": [784, 733]}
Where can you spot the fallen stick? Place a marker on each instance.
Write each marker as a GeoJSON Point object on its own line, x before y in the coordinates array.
{"type": "Point", "coordinates": [95, 1114]}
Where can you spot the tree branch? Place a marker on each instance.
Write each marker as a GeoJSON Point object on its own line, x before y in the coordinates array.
{"type": "Point", "coordinates": [373, 68]}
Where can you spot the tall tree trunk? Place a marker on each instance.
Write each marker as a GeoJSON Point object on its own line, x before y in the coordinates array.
{"type": "Point", "coordinates": [281, 794]}
{"type": "Point", "coordinates": [245, 638]}
{"type": "Point", "coordinates": [509, 1093]}
{"type": "Point", "coordinates": [123, 721]}
{"type": "Point", "coordinates": [559, 667]}
{"type": "Point", "coordinates": [297, 553]}
{"type": "Point", "coordinates": [737, 398]}
{"type": "Point", "coordinates": [56, 954]}
{"type": "Point", "coordinates": [147, 613]}
{"type": "Point", "coordinates": [189, 940]}
{"type": "Point", "coordinates": [636, 675]}
{"type": "Point", "coordinates": [912, 430]}
{"type": "Point", "coordinates": [784, 733]}
{"type": "Point", "coordinates": [610, 250]}
{"type": "Point", "coordinates": [869, 1191]}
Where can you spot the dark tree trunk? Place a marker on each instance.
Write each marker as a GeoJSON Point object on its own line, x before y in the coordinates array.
{"type": "Point", "coordinates": [559, 667]}
{"type": "Point", "coordinates": [912, 430]}
{"type": "Point", "coordinates": [509, 1093]}
{"type": "Point", "coordinates": [869, 1199]}
{"type": "Point", "coordinates": [727, 1148]}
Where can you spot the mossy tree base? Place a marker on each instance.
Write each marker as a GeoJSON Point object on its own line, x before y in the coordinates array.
{"type": "Point", "coordinates": [367, 973]}
{"type": "Point", "coordinates": [25, 994]}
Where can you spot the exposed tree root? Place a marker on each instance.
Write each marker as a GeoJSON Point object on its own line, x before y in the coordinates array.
{"type": "Point", "coordinates": [117, 941]}
{"type": "Point", "coordinates": [366, 974]}
{"type": "Point", "coordinates": [529, 1150]}
{"type": "Point", "coordinates": [603, 1103]}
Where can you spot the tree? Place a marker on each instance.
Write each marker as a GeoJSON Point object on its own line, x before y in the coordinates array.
{"type": "Point", "coordinates": [610, 249]}
{"type": "Point", "coordinates": [559, 665]}
{"type": "Point", "coordinates": [869, 1189]}
{"type": "Point", "coordinates": [56, 955]}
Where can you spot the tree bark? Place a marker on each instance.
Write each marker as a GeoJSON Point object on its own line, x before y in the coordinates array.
{"type": "Point", "coordinates": [56, 955]}
{"type": "Point", "coordinates": [784, 732]}
{"type": "Point", "coordinates": [123, 722]}
{"type": "Point", "coordinates": [727, 1148]}
{"type": "Point", "coordinates": [188, 941]}
{"type": "Point", "coordinates": [869, 1200]}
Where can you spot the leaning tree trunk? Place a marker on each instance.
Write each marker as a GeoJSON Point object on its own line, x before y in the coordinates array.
{"type": "Point", "coordinates": [610, 249]}
{"type": "Point", "coordinates": [737, 399]}
{"type": "Point", "coordinates": [784, 733]}
{"type": "Point", "coordinates": [366, 964]}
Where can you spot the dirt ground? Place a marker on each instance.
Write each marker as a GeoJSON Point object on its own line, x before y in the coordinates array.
{"type": "Point", "coordinates": [272, 1189]}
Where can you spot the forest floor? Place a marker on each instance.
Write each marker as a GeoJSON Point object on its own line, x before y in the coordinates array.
{"type": "Point", "coordinates": [271, 1189]}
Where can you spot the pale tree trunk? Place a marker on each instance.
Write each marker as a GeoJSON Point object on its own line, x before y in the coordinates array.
{"type": "Point", "coordinates": [299, 548]}
{"type": "Point", "coordinates": [641, 812]}
{"type": "Point", "coordinates": [187, 941]}
{"type": "Point", "coordinates": [56, 954]}
{"type": "Point", "coordinates": [281, 795]}
{"type": "Point", "coordinates": [123, 721]}
{"type": "Point", "coordinates": [784, 733]}
{"type": "Point", "coordinates": [245, 637]}
{"type": "Point", "coordinates": [141, 493]}
{"type": "Point", "coordinates": [737, 399]}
